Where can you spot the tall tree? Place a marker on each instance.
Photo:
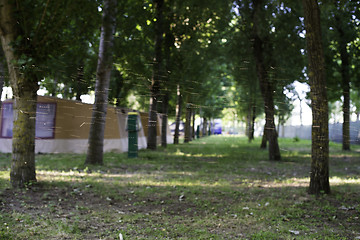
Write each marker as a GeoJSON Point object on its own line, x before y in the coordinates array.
{"type": "Point", "coordinates": [168, 45]}
{"type": "Point", "coordinates": [319, 175]}
{"type": "Point", "coordinates": [179, 103]}
{"type": "Point", "coordinates": [187, 128]}
{"type": "Point", "coordinates": [31, 34]}
{"type": "Point", "coordinates": [345, 75]}
{"type": "Point", "coordinates": [266, 85]}
{"type": "Point", "coordinates": [103, 72]}
{"type": "Point", "coordinates": [343, 24]}
{"type": "Point", "coordinates": [155, 82]}
{"type": "Point", "coordinates": [24, 89]}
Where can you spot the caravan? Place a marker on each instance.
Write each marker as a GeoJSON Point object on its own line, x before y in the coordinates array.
{"type": "Point", "coordinates": [62, 126]}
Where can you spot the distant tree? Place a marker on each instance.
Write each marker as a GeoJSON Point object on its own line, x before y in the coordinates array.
{"type": "Point", "coordinates": [266, 86]}
{"type": "Point", "coordinates": [179, 103]}
{"type": "Point", "coordinates": [340, 23]}
{"type": "Point", "coordinates": [103, 72]}
{"type": "Point", "coordinates": [319, 174]}
{"type": "Point", "coordinates": [166, 90]}
{"type": "Point", "coordinates": [156, 77]}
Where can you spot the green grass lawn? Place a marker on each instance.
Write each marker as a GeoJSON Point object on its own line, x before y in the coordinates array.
{"type": "Point", "coordinates": [213, 188]}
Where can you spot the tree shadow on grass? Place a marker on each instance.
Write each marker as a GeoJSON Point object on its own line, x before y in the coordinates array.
{"type": "Point", "coordinates": [105, 208]}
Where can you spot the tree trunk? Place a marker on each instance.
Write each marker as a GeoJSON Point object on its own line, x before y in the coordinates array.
{"type": "Point", "coordinates": [178, 115]}
{"type": "Point", "coordinates": [193, 124]}
{"type": "Point", "coordinates": [54, 88]}
{"type": "Point", "coordinates": [79, 82]}
{"type": "Point", "coordinates": [168, 45]}
{"type": "Point", "coordinates": [346, 95]}
{"type": "Point", "coordinates": [103, 72]}
{"type": "Point", "coordinates": [23, 141]}
{"type": "Point", "coordinates": [210, 127]}
{"type": "Point", "coordinates": [248, 123]}
{"type": "Point", "coordinates": [188, 124]}
{"type": "Point", "coordinates": [24, 88]}
{"type": "Point", "coordinates": [164, 122]}
{"type": "Point", "coordinates": [155, 83]}
{"type": "Point", "coordinates": [2, 73]}
{"type": "Point", "coordinates": [319, 175]}
{"type": "Point", "coordinates": [345, 75]}
{"type": "Point", "coordinates": [265, 85]}
{"type": "Point", "coordinates": [264, 139]}
{"type": "Point", "coordinates": [252, 129]}
{"type": "Point", "coordinates": [204, 132]}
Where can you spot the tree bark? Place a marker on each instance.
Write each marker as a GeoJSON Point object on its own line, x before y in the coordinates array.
{"type": "Point", "coordinates": [265, 85]}
{"type": "Point", "coordinates": [319, 175]}
{"type": "Point", "coordinates": [264, 139]}
{"type": "Point", "coordinates": [103, 72]}
{"type": "Point", "coordinates": [155, 83]}
{"type": "Point", "coordinates": [24, 88]}
{"type": "Point", "coordinates": [204, 130]}
{"type": "Point", "coordinates": [178, 115]}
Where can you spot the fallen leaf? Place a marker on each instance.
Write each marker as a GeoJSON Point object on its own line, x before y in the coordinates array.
{"type": "Point", "coordinates": [294, 232]}
{"type": "Point", "coordinates": [182, 198]}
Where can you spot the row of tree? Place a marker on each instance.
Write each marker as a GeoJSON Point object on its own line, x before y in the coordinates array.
{"type": "Point", "coordinates": [158, 47]}
{"type": "Point", "coordinates": [196, 56]}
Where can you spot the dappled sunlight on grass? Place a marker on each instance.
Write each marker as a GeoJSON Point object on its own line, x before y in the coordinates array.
{"type": "Point", "coordinates": [212, 188]}
{"type": "Point", "coordinates": [343, 181]}
{"type": "Point", "coordinates": [71, 176]}
{"type": "Point", "coordinates": [4, 179]}
{"type": "Point", "coordinates": [196, 155]}
{"type": "Point", "coordinates": [185, 179]}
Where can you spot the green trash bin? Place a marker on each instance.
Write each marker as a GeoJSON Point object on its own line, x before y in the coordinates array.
{"type": "Point", "coordinates": [133, 128]}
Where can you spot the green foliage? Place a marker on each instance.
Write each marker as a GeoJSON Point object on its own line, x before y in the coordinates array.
{"type": "Point", "coordinates": [47, 28]}
{"type": "Point", "coordinates": [340, 27]}
{"type": "Point", "coordinates": [283, 65]}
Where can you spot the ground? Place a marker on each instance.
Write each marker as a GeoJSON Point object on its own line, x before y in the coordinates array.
{"type": "Point", "coordinates": [214, 188]}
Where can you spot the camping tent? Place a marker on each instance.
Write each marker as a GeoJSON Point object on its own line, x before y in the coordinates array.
{"type": "Point", "coordinates": [62, 126]}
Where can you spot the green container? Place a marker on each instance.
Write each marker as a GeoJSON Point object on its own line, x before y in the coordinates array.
{"type": "Point", "coordinates": [132, 127]}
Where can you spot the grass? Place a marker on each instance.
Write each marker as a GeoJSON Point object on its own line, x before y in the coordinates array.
{"type": "Point", "coordinates": [213, 188]}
